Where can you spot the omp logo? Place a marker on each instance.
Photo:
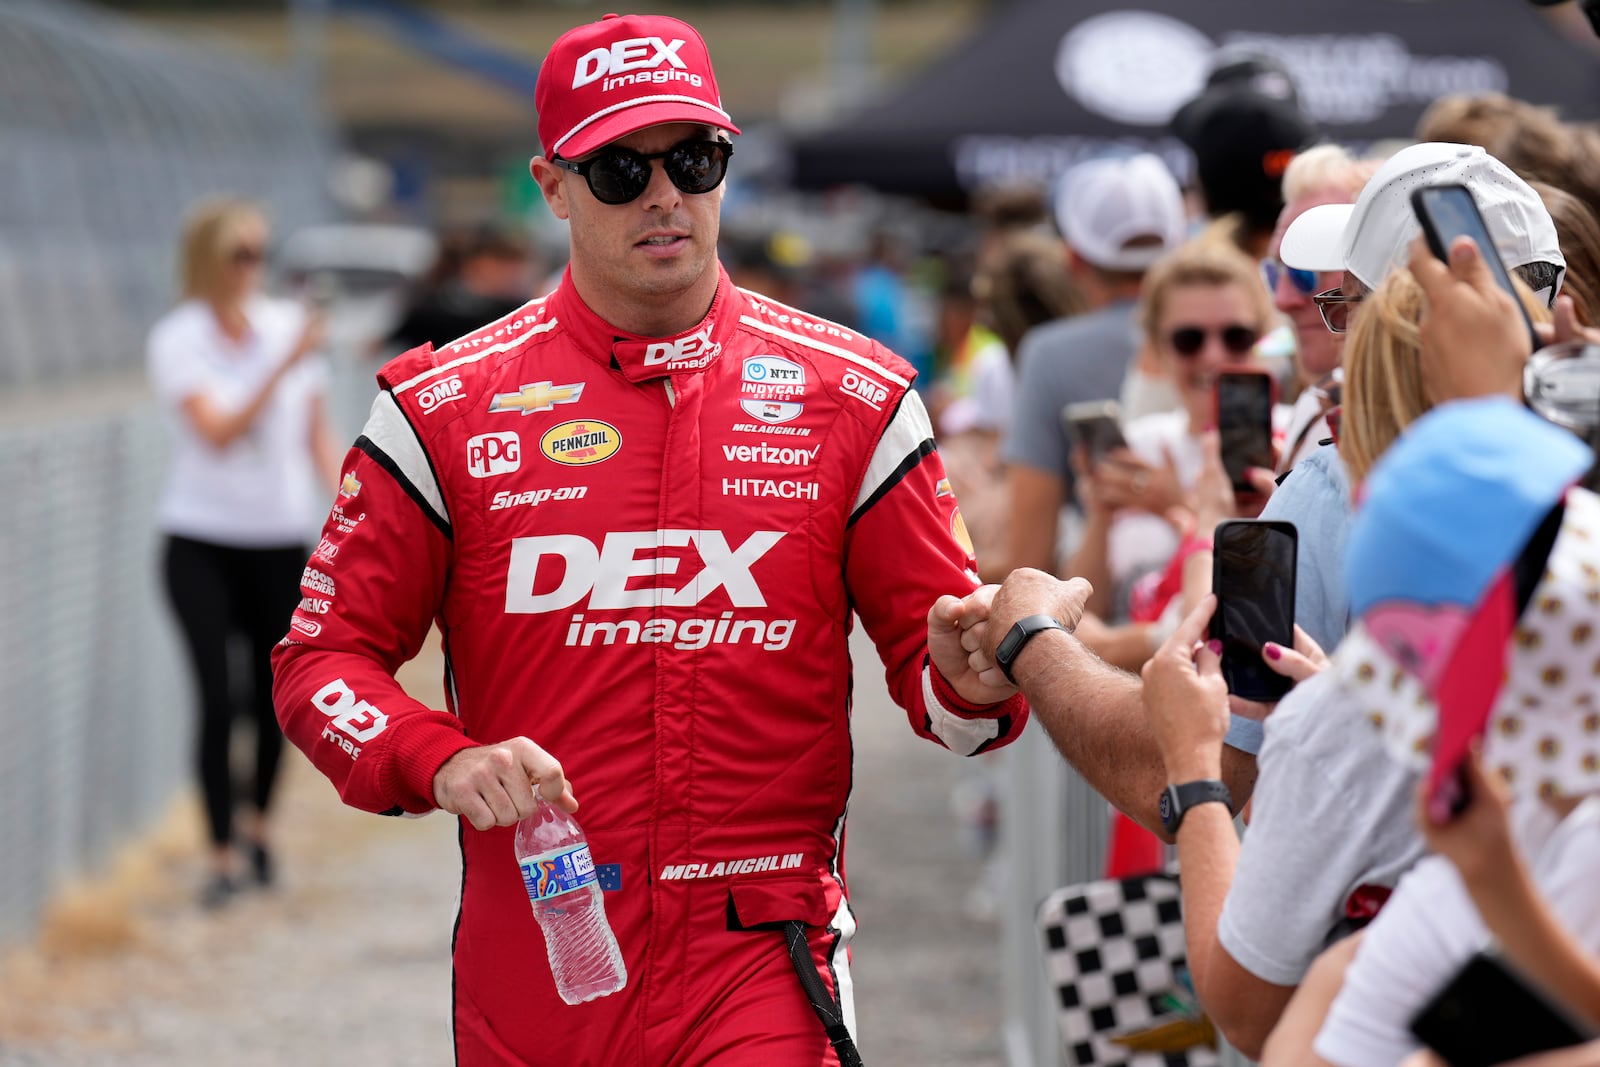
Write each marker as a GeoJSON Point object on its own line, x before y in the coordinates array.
{"type": "Point", "coordinates": [491, 454]}
{"type": "Point", "coordinates": [772, 378]}
{"type": "Point", "coordinates": [765, 453]}
{"type": "Point", "coordinates": [603, 572]}
{"type": "Point", "coordinates": [672, 872]}
{"type": "Point", "coordinates": [581, 442]}
{"type": "Point", "coordinates": [356, 718]}
{"type": "Point", "coordinates": [772, 410]}
{"type": "Point", "coordinates": [643, 54]}
{"type": "Point", "coordinates": [315, 605]}
{"type": "Point", "coordinates": [537, 396]}
{"type": "Point", "coordinates": [690, 352]}
{"type": "Point", "coordinates": [534, 497]}
{"type": "Point", "coordinates": [441, 392]}
{"type": "Point", "coordinates": [864, 389]}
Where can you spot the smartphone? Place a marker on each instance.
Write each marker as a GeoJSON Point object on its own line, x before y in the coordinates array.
{"type": "Point", "coordinates": [1447, 212]}
{"type": "Point", "coordinates": [1244, 401]}
{"type": "Point", "coordinates": [1096, 423]}
{"type": "Point", "coordinates": [1253, 566]}
{"type": "Point", "coordinates": [1489, 1014]}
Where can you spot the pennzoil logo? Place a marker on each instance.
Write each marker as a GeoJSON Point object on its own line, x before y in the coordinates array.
{"type": "Point", "coordinates": [537, 396]}
{"type": "Point", "coordinates": [581, 442]}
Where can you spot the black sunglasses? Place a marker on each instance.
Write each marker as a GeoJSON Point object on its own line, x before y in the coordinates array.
{"type": "Point", "coordinates": [246, 255]}
{"type": "Point", "coordinates": [618, 175]}
{"type": "Point", "coordinates": [1189, 340]}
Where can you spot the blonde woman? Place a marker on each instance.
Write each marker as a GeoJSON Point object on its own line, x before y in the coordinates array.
{"type": "Point", "coordinates": [1384, 390]}
{"type": "Point", "coordinates": [252, 466]}
{"type": "Point", "coordinates": [1202, 311]}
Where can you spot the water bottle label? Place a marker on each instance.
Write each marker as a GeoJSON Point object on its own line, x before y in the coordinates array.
{"type": "Point", "coordinates": [558, 874]}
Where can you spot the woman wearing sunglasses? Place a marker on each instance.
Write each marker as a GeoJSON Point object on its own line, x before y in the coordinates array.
{"type": "Point", "coordinates": [1202, 312]}
{"type": "Point", "coordinates": [252, 466]}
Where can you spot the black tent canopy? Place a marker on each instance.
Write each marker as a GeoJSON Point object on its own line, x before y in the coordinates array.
{"type": "Point", "coordinates": [1047, 83]}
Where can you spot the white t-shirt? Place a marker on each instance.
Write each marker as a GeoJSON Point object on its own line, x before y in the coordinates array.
{"type": "Point", "coordinates": [261, 490]}
{"type": "Point", "coordinates": [1429, 928]}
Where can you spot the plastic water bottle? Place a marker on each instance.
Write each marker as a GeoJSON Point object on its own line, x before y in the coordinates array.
{"type": "Point", "coordinates": [565, 893]}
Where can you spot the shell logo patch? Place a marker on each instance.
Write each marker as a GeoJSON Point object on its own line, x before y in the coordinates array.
{"type": "Point", "coordinates": [581, 442]}
{"type": "Point", "coordinates": [958, 530]}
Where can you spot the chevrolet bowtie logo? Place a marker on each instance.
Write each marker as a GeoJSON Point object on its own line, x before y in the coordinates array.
{"type": "Point", "coordinates": [540, 396]}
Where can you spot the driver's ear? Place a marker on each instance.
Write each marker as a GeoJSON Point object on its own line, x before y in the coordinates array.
{"type": "Point", "coordinates": [549, 178]}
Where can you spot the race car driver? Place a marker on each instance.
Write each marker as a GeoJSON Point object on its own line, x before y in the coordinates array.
{"type": "Point", "coordinates": [642, 511]}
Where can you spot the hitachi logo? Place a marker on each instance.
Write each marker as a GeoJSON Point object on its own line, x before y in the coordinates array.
{"type": "Point", "coordinates": [784, 490]}
{"type": "Point", "coordinates": [674, 872]}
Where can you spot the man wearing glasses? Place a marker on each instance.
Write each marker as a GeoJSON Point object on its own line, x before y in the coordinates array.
{"type": "Point", "coordinates": [642, 511]}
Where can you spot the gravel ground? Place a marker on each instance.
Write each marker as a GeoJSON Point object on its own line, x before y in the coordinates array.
{"type": "Point", "coordinates": [348, 960]}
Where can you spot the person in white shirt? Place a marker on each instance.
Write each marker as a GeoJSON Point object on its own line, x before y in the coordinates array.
{"type": "Point", "coordinates": [252, 465]}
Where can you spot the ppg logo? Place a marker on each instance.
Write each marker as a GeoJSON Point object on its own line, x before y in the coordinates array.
{"type": "Point", "coordinates": [490, 454]}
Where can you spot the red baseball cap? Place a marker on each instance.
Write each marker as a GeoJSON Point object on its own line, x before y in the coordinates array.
{"type": "Point", "coordinates": [604, 80]}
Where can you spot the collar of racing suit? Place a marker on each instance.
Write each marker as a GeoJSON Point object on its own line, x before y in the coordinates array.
{"type": "Point", "coordinates": [640, 358]}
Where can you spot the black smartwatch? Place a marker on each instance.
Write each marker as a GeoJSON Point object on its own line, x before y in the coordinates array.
{"type": "Point", "coordinates": [1176, 800]}
{"type": "Point", "coordinates": [1017, 638]}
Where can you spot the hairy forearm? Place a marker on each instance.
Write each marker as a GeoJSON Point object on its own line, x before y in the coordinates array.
{"type": "Point", "coordinates": [1094, 714]}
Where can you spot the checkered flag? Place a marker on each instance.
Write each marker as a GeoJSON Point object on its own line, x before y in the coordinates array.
{"type": "Point", "coordinates": [1114, 952]}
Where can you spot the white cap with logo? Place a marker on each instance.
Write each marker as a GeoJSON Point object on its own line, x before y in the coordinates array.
{"type": "Point", "coordinates": [1110, 209]}
{"type": "Point", "coordinates": [1373, 236]}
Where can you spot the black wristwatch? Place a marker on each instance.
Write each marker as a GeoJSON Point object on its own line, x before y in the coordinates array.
{"type": "Point", "coordinates": [1016, 639]}
{"type": "Point", "coordinates": [1178, 799]}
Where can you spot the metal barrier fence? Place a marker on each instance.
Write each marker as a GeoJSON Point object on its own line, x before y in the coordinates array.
{"type": "Point", "coordinates": [110, 135]}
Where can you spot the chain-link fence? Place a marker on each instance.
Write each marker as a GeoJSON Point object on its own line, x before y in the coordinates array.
{"type": "Point", "coordinates": [110, 135]}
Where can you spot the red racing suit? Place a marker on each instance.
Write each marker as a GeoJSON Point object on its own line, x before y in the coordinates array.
{"type": "Point", "coordinates": [644, 554]}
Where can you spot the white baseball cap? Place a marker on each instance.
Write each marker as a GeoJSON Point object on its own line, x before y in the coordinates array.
{"type": "Point", "coordinates": [1372, 236]}
{"type": "Point", "coordinates": [1103, 205]}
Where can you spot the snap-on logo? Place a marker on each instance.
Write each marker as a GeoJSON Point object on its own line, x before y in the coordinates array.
{"type": "Point", "coordinates": [581, 442]}
{"type": "Point", "coordinates": [869, 392]}
{"type": "Point", "coordinates": [438, 393]}
{"type": "Point", "coordinates": [633, 53]}
{"type": "Point", "coordinates": [489, 454]}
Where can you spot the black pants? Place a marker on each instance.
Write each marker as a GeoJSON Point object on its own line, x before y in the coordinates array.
{"type": "Point", "coordinates": [221, 594]}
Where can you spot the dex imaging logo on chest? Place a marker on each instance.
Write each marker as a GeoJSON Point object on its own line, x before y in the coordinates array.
{"type": "Point", "coordinates": [491, 454]}
{"type": "Point", "coordinates": [613, 575]}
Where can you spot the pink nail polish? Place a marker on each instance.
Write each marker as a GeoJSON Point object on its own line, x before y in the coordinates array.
{"type": "Point", "coordinates": [1215, 646]}
{"type": "Point", "coordinates": [1272, 651]}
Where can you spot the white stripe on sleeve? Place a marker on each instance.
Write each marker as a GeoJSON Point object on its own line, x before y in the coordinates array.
{"type": "Point", "coordinates": [388, 428]}
{"type": "Point", "coordinates": [961, 736]}
{"type": "Point", "coordinates": [905, 435]}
